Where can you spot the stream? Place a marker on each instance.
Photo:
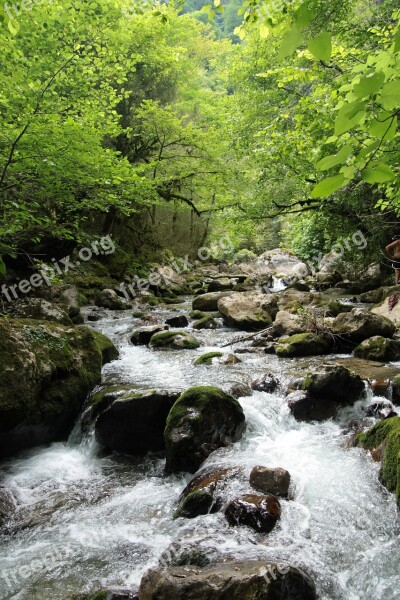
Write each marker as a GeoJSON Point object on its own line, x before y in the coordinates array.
{"type": "Point", "coordinates": [96, 521]}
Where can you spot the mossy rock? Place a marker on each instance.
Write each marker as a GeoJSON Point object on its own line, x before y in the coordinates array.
{"type": "Point", "coordinates": [203, 419]}
{"type": "Point", "coordinates": [197, 314]}
{"type": "Point", "coordinates": [302, 344]}
{"type": "Point", "coordinates": [206, 359]}
{"type": "Point", "coordinates": [106, 347]}
{"type": "Point", "coordinates": [205, 323]}
{"type": "Point", "coordinates": [176, 340]}
{"type": "Point", "coordinates": [378, 348]}
{"type": "Point", "coordinates": [47, 370]}
{"type": "Point", "coordinates": [396, 389]}
{"type": "Point", "coordinates": [386, 434]}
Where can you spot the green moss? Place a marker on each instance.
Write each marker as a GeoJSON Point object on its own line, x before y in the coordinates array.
{"type": "Point", "coordinates": [301, 344]}
{"type": "Point", "coordinates": [166, 338]}
{"type": "Point", "coordinates": [206, 359]}
{"type": "Point", "coordinates": [197, 314]}
{"type": "Point", "coordinates": [198, 502]}
{"type": "Point", "coordinates": [388, 431]}
{"type": "Point", "coordinates": [105, 346]}
{"type": "Point", "coordinates": [307, 382]}
{"type": "Point", "coordinates": [205, 323]}
{"type": "Point", "coordinates": [378, 348]}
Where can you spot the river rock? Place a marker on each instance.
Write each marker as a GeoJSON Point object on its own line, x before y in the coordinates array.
{"type": "Point", "coordinates": [384, 439]}
{"type": "Point", "coordinates": [108, 351]}
{"type": "Point", "coordinates": [175, 340]}
{"type": "Point", "coordinates": [270, 481]}
{"type": "Point", "coordinates": [204, 493]}
{"type": "Point", "coordinates": [221, 284]}
{"type": "Point", "coordinates": [205, 323]}
{"type": "Point", "coordinates": [135, 420]}
{"type": "Point", "coordinates": [248, 310]}
{"type": "Point", "coordinates": [110, 299]}
{"type": "Point", "coordinates": [235, 580]}
{"type": "Point", "coordinates": [209, 302]}
{"type": "Point", "coordinates": [378, 348]}
{"type": "Point", "coordinates": [360, 324]}
{"type": "Point", "coordinates": [47, 370]}
{"type": "Point", "coordinates": [302, 344]}
{"type": "Point", "coordinates": [380, 410]}
{"type": "Point", "coordinates": [203, 419]}
{"type": "Point", "coordinates": [261, 513]}
{"type": "Point", "coordinates": [287, 323]}
{"type": "Point", "coordinates": [265, 383]}
{"type": "Point", "coordinates": [178, 321]}
{"type": "Point", "coordinates": [208, 358]}
{"type": "Point", "coordinates": [240, 390]}
{"type": "Point", "coordinates": [142, 335]}
{"type": "Point", "coordinates": [38, 308]}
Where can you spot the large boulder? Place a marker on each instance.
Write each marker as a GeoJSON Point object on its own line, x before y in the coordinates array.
{"type": "Point", "coordinates": [47, 370]}
{"type": "Point", "coordinates": [248, 310]}
{"type": "Point", "coordinates": [287, 323]}
{"type": "Point", "coordinates": [203, 419]}
{"type": "Point", "coordinates": [302, 344]}
{"type": "Point", "coordinates": [360, 324]}
{"type": "Point", "coordinates": [209, 302]}
{"type": "Point", "coordinates": [261, 513]}
{"type": "Point", "coordinates": [383, 440]}
{"type": "Point", "coordinates": [378, 348]}
{"type": "Point", "coordinates": [38, 308]}
{"type": "Point", "coordinates": [175, 340]}
{"type": "Point", "coordinates": [234, 580]}
{"type": "Point", "coordinates": [322, 392]}
{"type": "Point", "coordinates": [204, 493]}
{"type": "Point", "coordinates": [134, 420]}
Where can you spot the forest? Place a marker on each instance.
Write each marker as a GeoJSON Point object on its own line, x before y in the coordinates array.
{"type": "Point", "coordinates": [199, 299]}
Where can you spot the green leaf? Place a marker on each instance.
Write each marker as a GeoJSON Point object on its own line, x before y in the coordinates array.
{"type": "Point", "coordinates": [334, 159]}
{"type": "Point", "coordinates": [343, 123]}
{"type": "Point", "coordinates": [321, 46]}
{"type": "Point", "coordinates": [390, 96]}
{"type": "Point", "coordinates": [328, 186]}
{"type": "Point", "coordinates": [384, 129]}
{"type": "Point", "coordinates": [3, 268]}
{"type": "Point", "coordinates": [291, 40]}
{"type": "Point", "coordinates": [369, 85]}
{"type": "Point", "coordinates": [379, 173]}
{"type": "Point", "coordinates": [397, 41]}
{"type": "Point", "coordinates": [303, 16]}
{"type": "Point", "coordinates": [13, 27]}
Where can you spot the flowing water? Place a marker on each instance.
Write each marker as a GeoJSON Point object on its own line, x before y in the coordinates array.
{"type": "Point", "coordinates": [87, 521]}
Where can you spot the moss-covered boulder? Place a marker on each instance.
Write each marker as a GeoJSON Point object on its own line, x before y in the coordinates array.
{"type": "Point", "coordinates": [197, 314]}
{"type": "Point", "coordinates": [134, 421]}
{"type": "Point", "coordinates": [233, 580]}
{"type": "Point", "coordinates": [106, 347]}
{"type": "Point", "coordinates": [204, 493]}
{"type": "Point", "coordinates": [360, 324]}
{"type": "Point", "coordinates": [378, 348]}
{"type": "Point", "coordinates": [175, 340]}
{"type": "Point", "coordinates": [209, 302]}
{"type": "Point", "coordinates": [207, 358]}
{"type": "Point", "coordinates": [205, 323]}
{"type": "Point", "coordinates": [248, 310]}
{"type": "Point", "coordinates": [302, 344]}
{"type": "Point", "coordinates": [47, 370]}
{"type": "Point", "coordinates": [384, 437]}
{"type": "Point", "coordinates": [203, 419]}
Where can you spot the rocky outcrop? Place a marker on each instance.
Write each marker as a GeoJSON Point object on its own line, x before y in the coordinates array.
{"type": "Point", "coordinates": [209, 302]}
{"type": "Point", "coordinates": [302, 344]}
{"type": "Point", "coordinates": [261, 513]}
{"type": "Point", "coordinates": [378, 348]}
{"type": "Point", "coordinates": [270, 481]}
{"type": "Point", "coordinates": [203, 419]}
{"type": "Point", "coordinates": [134, 420]}
{"type": "Point", "coordinates": [47, 370]}
{"type": "Point", "coordinates": [175, 340]}
{"type": "Point", "coordinates": [204, 493]}
{"type": "Point", "coordinates": [383, 440]}
{"type": "Point", "coordinates": [360, 324]}
{"type": "Point", "coordinates": [248, 310]}
{"type": "Point", "coordinates": [322, 392]}
{"type": "Point", "coordinates": [233, 580]}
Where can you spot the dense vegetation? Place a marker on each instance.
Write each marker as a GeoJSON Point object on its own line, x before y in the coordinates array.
{"type": "Point", "coordinates": [278, 124]}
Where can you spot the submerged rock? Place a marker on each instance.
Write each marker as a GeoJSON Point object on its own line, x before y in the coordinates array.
{"type": "Point", "coordinates": [248, 310]}
{"type": "Point", "coordinates": [384, 438]}
{"type": "Point", "coordinates": [47, 370]}
{"type": "Point", "coordinates": [235, 580]}
{"type": "Point", "coordinates": [378, 348]}
{"type": "Point", "coordinates": [270, 481]}
{"type": "Point", "coordinates": [258, 512]}
{"type": "Point", "coordinates": [134, 421]}
{"type": "Point", "coordinates": [302, 344]}
{"type": "Point", "coordinates": [203, 419]}
{"type": "Point", "coordinates": [203, 494]}
{"type": "Point", "coordinates": [176, 340]}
